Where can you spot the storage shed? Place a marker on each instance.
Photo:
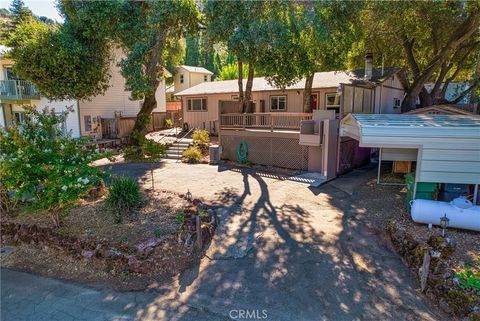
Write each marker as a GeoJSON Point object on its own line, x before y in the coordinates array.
{"type": "Point", "coordinates": [445, 147]}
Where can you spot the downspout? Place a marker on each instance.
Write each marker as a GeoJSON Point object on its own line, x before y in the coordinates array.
{"type": "Point", "coordinates": [79, 120]}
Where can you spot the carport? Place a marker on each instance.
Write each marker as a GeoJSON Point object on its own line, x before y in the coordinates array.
{"type": "Point", "coordinates": [446, 148]}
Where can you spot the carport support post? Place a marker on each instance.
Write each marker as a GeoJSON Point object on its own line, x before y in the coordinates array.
{"type": "Point", "coordinates": [379, 165]}
{"type": "Point", "coordinates": [475, 194]}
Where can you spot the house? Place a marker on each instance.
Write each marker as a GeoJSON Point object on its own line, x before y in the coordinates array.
{"type": "Point", "coordinates": [115, 102]}
{"type": "Point", "coordinates": [276, 131]}
{"type": "Point", "coordinates": [445, 148]}
{"type": "Point", "coordinates": [189, 76]}
{"type": "Point", "coordinates": [342, 91]}
{"type": "Point", "coordinates": [16, 93]}
{"type": "Point", "coordinates": [441, 110]}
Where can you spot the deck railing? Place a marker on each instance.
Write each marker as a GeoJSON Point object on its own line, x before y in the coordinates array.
{"type": "Point", "coordinates": [267, 121]}
{"type": "Point", "coordinates": [18, 89]}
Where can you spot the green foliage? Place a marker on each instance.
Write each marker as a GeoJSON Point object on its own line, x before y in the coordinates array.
{"type": "Point", "coordinates": [192, 53]}
{"type": "Point", "coordinates": [180, 217]}
{"type": "Point", "coordinates": [52, 56]}
{"type": "Point", "coordinates": [169, 123]}
{"type": "Point", "coordinates": [149, 151]}
{"type": "Point", "coordinates": [200, 137]}
{"type": "Point", "coordinates": [230, 71]}
{"type": "Point", "coordinates": [469, 277]}
{"type": "Point", "coordinates": [192, 154]}
{"type": "Point", "coordinates": [43, 166]}
{"type": "Point", "coordinates": [157, 233]}
{"type": "Point", "coordinates": [124, 196]}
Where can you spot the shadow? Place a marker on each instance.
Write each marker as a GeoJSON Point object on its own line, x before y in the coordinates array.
{"type": "Point", "coordinates": [283, 252]}
{"type": "Point", "coordinates": [138, 171]}
{"type": "Point", "coordinates": [294, 255]}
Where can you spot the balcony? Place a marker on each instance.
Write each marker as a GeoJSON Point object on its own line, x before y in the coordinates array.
{"type": "Point", "coordinates": [18, 90]}
{"type": "Point", "coordinates": [263, 121]}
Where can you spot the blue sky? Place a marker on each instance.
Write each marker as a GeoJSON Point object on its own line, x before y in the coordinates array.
{"type": "Point", "coordinates": [39, 7]}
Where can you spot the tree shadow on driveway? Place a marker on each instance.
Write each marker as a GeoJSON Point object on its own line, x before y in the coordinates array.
{"type": "Point", "coordinates": [293, 255]}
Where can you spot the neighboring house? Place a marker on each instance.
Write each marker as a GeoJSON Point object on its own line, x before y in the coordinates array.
{"type": "Point", "coordinates": [189, 76]}
{"type": "Point", "coordinates": [16, 93]}
{"type": "Point", "coordinates": [440, 110]}
{"type": "Point", "coordinates": [341, 91]}
{"type": "Point", "coordinates": [115, 102]}
{"type": "Point", "coordinates": [454, 90]}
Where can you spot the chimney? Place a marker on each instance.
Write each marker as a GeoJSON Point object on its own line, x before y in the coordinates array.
{"type": "Point", "coordinates": [368, 65]}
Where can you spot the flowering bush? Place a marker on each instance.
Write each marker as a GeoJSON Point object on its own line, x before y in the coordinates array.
{"type": "Point", "coordinates": [43, 166]}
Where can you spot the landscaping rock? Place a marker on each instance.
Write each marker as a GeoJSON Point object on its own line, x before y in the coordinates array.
{"type": "Point", "coordinates": [112, 253]}
{"type": "Point", "coordinates": [88, 254]}
{"type": "Point", "coordinates": [145, 248]}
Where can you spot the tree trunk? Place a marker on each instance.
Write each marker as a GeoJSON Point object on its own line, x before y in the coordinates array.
{"type": "Point", "coordinates": [461, 34]}
{"type": "Point", "coordinates": [143, 118]}
{"type": "Point", "coordinates": [240, 81]}
{"type": "Point", "coordinates": [153, 70]}
{"type": "Point", "coordinates": [248, 87]}
{"type": "Point", "coordinates": [307, 94]}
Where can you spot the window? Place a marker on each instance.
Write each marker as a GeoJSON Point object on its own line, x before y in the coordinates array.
{"type": "Point", "coordinates": [235, 97]}
{"type": "Point", "coordinates": [396, 103]}
{"type": "Point", "coordinates": [205, 78]}
{"type": "Point", "coordinates": [197, 104]}
{"type": "Point", "coordinates": [87, 119]}
{"type": "Point", "coordinates": [18, 117]}
{"type": "Point", "coordinates": [9, 74]}
{"type": "Point", "coordinates": [278, 103]}
{"type": "Point", "coordinates": [181, 79]}
{"type": "Point", "coordinates": [332, 102]}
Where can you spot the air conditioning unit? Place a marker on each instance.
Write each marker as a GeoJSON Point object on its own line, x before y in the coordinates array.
{"type": "Point", "coordinates": [214, 153]}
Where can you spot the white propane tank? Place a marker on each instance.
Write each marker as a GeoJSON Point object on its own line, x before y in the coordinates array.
{"type": "Point", "coordinates": [466, 216]}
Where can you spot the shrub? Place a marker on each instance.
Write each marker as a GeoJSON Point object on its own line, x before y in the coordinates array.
{"type": "Point", "coordinates": [124, 196]}
{"type": "Point", "coordinates": [148, 150]}
{"type": "Point", "coordinates": [192, 154]}
{"type": "Point", "coordinates": [168, 123]}
{"type": "Point", "coordinates": [200, 137]}
{"type": "Point", "coordinates": [42, 166]}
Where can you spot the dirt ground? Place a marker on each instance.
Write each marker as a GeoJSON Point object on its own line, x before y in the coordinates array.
{"type": "Point", "coordinates": [91, 220]}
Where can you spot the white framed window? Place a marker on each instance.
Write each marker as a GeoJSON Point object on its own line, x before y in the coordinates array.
{"type": "Point", "coordinates": [278, 103]}
{"type": "Point", "coordinates": [332, 102]}
{"type": "Point", "coordinates": [197, 104]}
{"type": "Point", "coordinates": [396, 103]}
{"type": "Point", "coordinates": [181, 79]}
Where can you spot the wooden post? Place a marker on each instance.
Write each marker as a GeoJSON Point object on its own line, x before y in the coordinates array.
{"type": "Point", "coordinates": [199, 231]}
{"type": "Point", "coordinates": [424, 271]}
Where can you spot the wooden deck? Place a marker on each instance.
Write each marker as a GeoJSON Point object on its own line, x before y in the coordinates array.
{"type": "Point", "coordinates": [264, 122]}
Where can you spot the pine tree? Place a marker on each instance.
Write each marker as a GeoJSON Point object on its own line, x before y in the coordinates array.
{"type": "Point", "coordinates": [192, 52]}
{"type": "Point", "coordinates": [20, 12]}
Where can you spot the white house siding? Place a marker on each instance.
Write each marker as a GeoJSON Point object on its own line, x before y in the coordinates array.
{"type": "Point", "coordinates": [116, 99]}
{"type": "Point", "coordinates": [190, 79]}
{"type": "Point", "coordinates": [72, 123]}
{"type": "Point", "coordinates": [386, 93]}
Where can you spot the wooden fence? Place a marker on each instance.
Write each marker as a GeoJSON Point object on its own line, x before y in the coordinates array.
{"type": "Point", "coordinates": [121, 127]}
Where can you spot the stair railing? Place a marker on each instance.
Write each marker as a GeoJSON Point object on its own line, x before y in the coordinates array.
{"type": "Point", "coordinates": [178, 142]}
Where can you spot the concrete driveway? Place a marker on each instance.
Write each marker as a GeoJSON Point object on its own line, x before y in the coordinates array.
{"type": "Point", "coordinates": [283, 251]}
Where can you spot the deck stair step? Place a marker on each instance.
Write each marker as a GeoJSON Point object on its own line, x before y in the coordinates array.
{"type": "Point", "coordinates": [175, 151]}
